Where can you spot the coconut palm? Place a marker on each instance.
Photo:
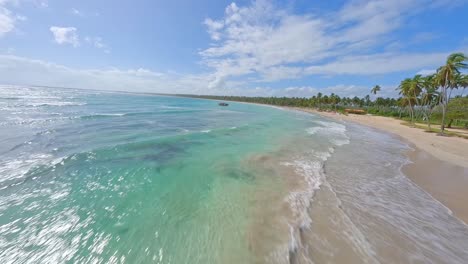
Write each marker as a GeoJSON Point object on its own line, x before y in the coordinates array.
{"type": "Point", "coordinates": [429, 97]}
{"type": "Point", "coordinates": [405, 90]}
{"type": "Point", "coordinates": [417, 86]}
{"type": "Point", "coordinates": [367, 99]}
{"type": "Point", "coordinates": [462, 82]}
{"type": "Point", "coordinates": [447, 79]}
{"type": "Point", "coordinates": [411, 88]}
{"type": "Point", "coordinates": [375, 89]}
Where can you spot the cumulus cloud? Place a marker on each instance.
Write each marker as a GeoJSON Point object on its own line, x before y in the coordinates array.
{"type": "Point", "coordinates": [426, 72]}
{"type": "Point", "coordinates": [98, 43]}
{"type": "Point", "coordinates": [7, 21]}
{"type": "Point", "coordinates": [65, 35]}
{"type": "Point", "coordinates": [275, 44]}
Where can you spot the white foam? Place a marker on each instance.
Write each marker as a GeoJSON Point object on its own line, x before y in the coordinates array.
{"type": "Point", "coordinates": [313, 130]}
{"type": "Point", "coordinates": [340, 142]}
{"type": "Point", "coordinates": [206, 131]}
{"type": "Point", "coordinates": [335, 131]}
{"type": "Point", "coordinates": [300, 200]}
{"type": "Point", "coordinates": [55, 103]}
{"type": "Point", "coordinates": [112, 114]}
{"type": "Point", "coordinates": [17, 168]}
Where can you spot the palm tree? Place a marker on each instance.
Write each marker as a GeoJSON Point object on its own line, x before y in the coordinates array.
{"type": "Point", "coordinates": [375, 89]}
{"type": "Point", "coordinates": [334, 100]}
{"type": "Point", "coordinates": [447, 79]}
{"type": "Point", "coordinates": [417, 86]}
{"type": "Point", "coordinates": [429, 97]}
{"type": "Point", "coordinates": [462, 82]}
{"type": "Point", "coordinates": [367, 98]}
{"type": "Point", "coordinates": [319, 99]}
{"type": "Point", "coordinates": [403, 90]}
{"type": "Point", "coordinates": [410, 88]}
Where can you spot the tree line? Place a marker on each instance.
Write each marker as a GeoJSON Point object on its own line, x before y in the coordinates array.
{"type": "Point", "coordinates": [422, 98]}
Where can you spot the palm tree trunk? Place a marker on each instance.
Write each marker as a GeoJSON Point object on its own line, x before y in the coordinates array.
{"type": "Point", "coordinates": [444, 110]}
{"type": "Point", "coordinates": [411, 110]}
{"type": "Point", "coordinates": [412, 115]}
{"type": "Point", "coordinates": [444, 103]}
{"type": "Point", "coordinates": [428, 121]}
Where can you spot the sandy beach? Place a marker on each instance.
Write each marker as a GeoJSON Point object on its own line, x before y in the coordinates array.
{"type": "Point", "coordinates": [440, 164]}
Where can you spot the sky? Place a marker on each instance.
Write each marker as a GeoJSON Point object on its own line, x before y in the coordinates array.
{"type": "Point", "coordinates": [252, 48]}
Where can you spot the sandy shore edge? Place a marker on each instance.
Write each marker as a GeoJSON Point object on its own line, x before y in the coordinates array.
{"type": "Point", "coordinates": [439, 164]}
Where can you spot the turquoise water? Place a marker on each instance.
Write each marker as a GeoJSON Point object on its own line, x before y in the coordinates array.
{"type": "Point", "coordinates": [100, 177]}
{"type": "Point", "coordinates": [93, 176]}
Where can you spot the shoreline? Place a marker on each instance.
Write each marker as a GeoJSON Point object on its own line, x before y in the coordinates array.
{"type": "Point", "coordinates": [439, 165]}
{"type": "Point", "coordinates": [453, 150]}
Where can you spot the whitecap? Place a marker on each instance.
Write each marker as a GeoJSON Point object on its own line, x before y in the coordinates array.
{"type": "Point", "coordinates": [336, 132]}
{"type": "Point", "coordinates": [313, 130]}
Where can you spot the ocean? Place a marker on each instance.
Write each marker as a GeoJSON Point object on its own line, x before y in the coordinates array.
{"type": "Point", "coordinates": [106, 177]}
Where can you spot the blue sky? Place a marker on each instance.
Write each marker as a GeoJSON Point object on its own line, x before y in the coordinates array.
{"type": "Point", "coordinates": [292, 48]}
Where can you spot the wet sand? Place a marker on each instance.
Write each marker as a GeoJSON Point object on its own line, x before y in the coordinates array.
{"type": "Point", "coordinates": [440, 164]}
{"type": "Point", "coordinates": [445, 182]}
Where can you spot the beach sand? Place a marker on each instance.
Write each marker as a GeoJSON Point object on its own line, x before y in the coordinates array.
{"type": "Point", "coordinates": [446, 182]}
{"type": "Point", "coordinates": [440, 164]}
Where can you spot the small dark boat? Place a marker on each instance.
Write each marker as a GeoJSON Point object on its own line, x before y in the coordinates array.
{"type": "Point", "coordinates": [223, 104]}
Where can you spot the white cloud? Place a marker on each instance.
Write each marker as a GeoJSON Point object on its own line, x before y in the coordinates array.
{"type": "Point", "coordinates": [273, 44]}
{"type": "Point", "coordinates": [425, 72]}
{"type": "Point", "coordinates": [21, 18]}
{"type": "Point", "coordinates": [7, 21]}
{"type": "Point", "coordinates": [20, 70]}
{"type": "Point", "coordinates": [213, 28]}
{"type": "Point", "coordinates": [76, 12]}
{"type": "Point", "coordinates": [8, 18]}
{"type": "Point", "coordinates": [98, 43]}
{"type": "Point", "coordinates": [378, 63]}
{"type": "Point", "coordinates": [42, 3]}
{"type": "Point", "coordinates": [65, 35]}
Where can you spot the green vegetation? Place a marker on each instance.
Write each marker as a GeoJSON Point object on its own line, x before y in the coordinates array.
{"type": "Point", "coordinates": [457, 112]}
{"type": "Point", "coordinates": [424, 99]}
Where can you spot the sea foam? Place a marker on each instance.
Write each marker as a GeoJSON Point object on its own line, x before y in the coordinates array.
{"type": "Point", "coordinates": [335, 132]}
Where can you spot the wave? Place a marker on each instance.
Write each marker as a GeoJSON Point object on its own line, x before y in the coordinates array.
{"type": "Point", "coordinates": [335, 131]}
{"type": "Point", "coordinates": [15, 171]}
{"type": "Point", "coordinates": [104, 115]}
{"type": "Point", "coordinates": [180, 111]}
{"type": "Point", "coordinates": [171, 107]}
{"type": "Point", "coordinates": [313, 130]}
{"type": "Point", "coordinates": [39, 104]}
{"type": "Point", "coordinates": [311, 168]}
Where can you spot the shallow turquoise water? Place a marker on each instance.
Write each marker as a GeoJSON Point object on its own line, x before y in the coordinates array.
{"type": "Point", "coordinates": [93, 176]}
